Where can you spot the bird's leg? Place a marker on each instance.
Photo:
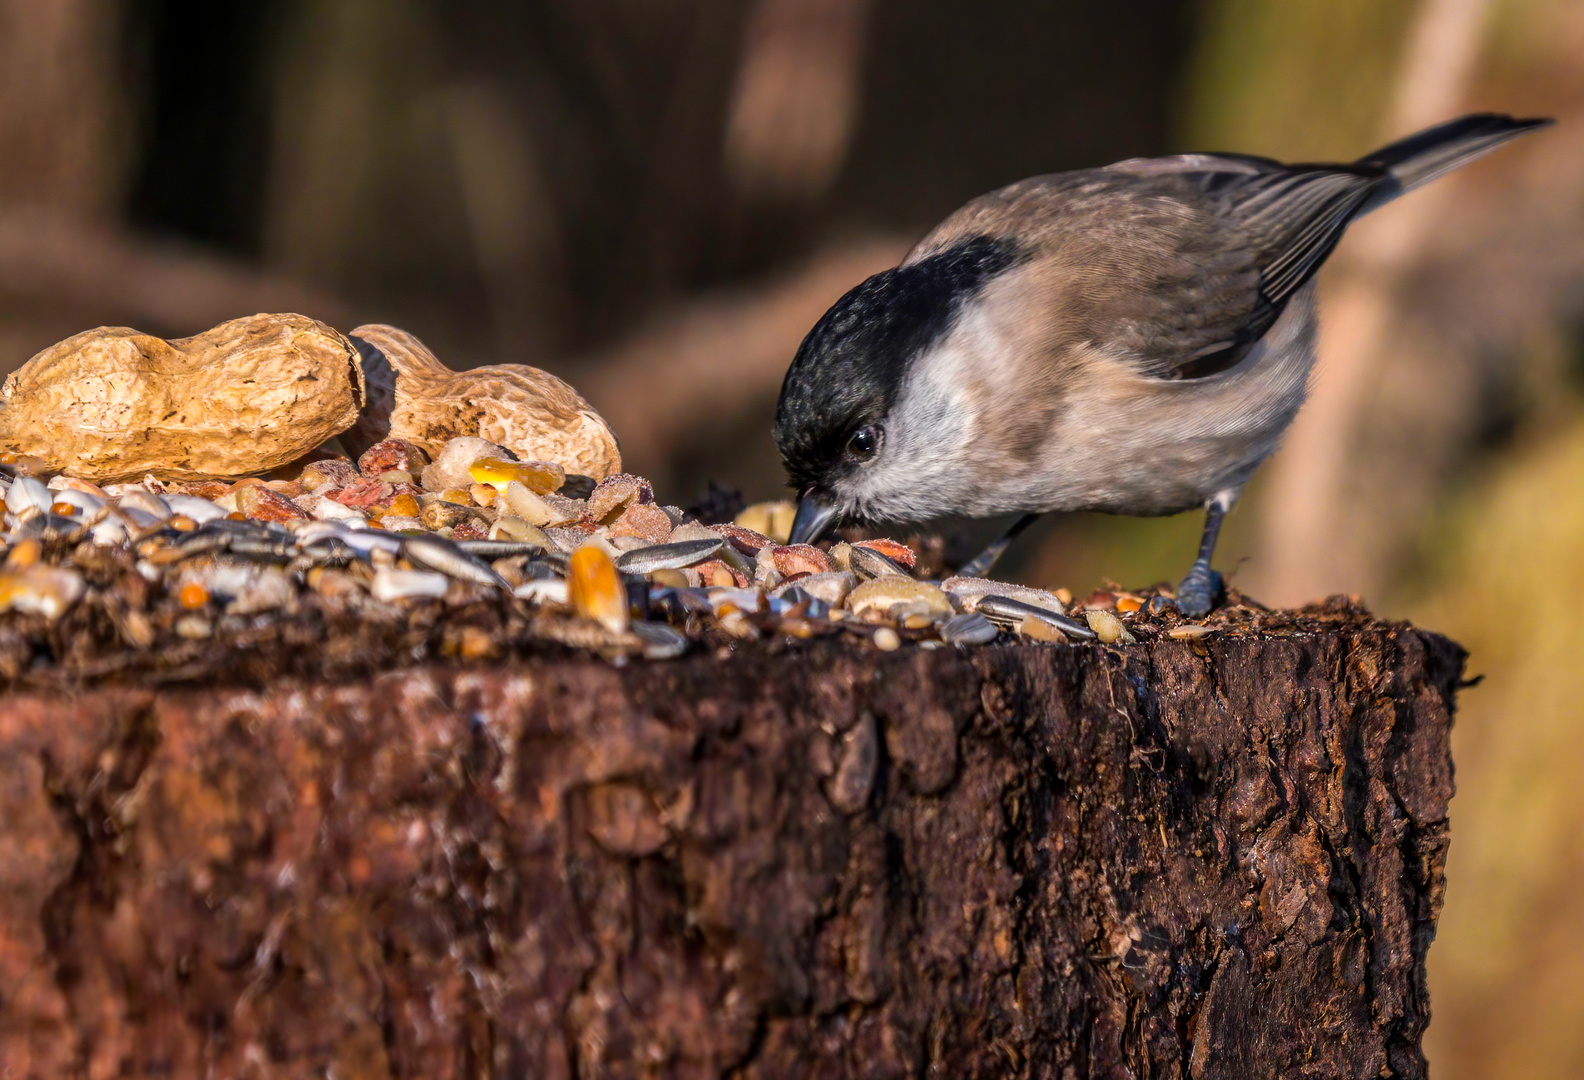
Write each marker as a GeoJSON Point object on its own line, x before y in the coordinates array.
{"type": "Point", "coordinates": [982, 563]}
{"type": "Point", "coordinates": [1196, 595]}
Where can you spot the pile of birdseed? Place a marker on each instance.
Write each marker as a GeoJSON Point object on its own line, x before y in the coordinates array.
{"type": "Point", "coordinates": [351, 567]}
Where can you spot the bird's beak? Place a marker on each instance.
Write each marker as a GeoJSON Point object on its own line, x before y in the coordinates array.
{"type": "Point", "coordinates": [815, 517]}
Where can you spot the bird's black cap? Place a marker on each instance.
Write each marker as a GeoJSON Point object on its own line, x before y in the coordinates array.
{"type": "Point", "coordinates": [851, 366]}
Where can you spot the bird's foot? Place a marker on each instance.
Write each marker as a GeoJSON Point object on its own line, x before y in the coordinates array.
{"type": "Point", "coordinates": [981, 564]}
{"type": "Point", "coordinates": [1201, 587]}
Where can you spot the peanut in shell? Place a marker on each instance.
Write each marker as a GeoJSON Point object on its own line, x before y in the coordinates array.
{"type": "Point", "coordinates": [413, 396]}
{"type": "Point", "coordinates": [243, 398]}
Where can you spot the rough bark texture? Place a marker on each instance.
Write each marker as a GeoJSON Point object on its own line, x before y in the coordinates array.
{"type": "Point", "coordinates": [1209, 859]}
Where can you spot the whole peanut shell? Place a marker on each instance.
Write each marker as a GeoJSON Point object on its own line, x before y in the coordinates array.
{"type": "Point", "coordinates": [243, 398]}
{"type": "Point", "coordinates": [413, 396]}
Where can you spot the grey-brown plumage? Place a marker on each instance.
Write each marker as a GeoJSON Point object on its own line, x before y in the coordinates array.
{"type": "Point", "coordinates": [1132, 339]}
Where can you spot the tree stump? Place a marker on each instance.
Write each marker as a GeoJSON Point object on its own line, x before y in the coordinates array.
{"type": "Point", "coordinates": [1214, 858]}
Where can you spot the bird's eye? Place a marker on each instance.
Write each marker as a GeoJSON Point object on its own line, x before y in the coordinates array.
{"type": "Point", "coordinates": [864, 442]}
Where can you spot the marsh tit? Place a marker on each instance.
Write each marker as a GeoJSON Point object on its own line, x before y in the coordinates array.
{"type": "Point", "coordinates": [1131, 339]}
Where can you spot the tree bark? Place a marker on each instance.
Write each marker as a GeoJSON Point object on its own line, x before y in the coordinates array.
{"type": "Point", "coordinates": [1202, 859]}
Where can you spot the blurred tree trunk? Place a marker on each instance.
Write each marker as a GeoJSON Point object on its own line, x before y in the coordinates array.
{"type": "Point", "coordinates": [1310, 487]}
{"type": "Point", "coordinates": [68, 119]}
{"type": "Point", "coordinates": [1504, 970]}
{"type": "Point", "coordinates": [64, 128]}
{"type": "Point", "coordinates": [62, 138]}
{"type": "Point", "coordinates": [1430, 306]}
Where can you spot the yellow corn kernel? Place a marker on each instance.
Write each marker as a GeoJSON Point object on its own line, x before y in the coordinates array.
{"type": "Point", "coordinates": [539, 477]}
{"type": "Point", "coordinates": [24, 553]}
{"type": "Point", "coordinates": [596, 589]}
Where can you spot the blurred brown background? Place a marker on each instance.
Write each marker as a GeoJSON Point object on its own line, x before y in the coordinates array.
{"type": "Point", "coordinates": [656, 198]}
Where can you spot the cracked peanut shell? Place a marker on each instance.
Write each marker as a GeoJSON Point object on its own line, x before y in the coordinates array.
{"type": "Point", "coordinates": [413, 396]}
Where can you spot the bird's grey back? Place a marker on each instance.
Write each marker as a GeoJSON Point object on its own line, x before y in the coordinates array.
{"type": "Point", "coordinates": [1181, 263]}
{"type": "Point", "coordinates": [1178, 264]}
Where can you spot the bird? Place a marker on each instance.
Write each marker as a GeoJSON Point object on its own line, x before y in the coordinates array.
{"type": "Point", "coordinates": [1131, 339]}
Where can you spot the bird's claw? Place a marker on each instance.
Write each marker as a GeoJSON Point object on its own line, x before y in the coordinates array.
{"type": "Point", "coordinates": [980, 565]}
{"type": "Point", "coordinates": [1197, 594]}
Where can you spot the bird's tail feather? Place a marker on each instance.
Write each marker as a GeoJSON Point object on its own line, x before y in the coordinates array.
{"type": "Point", "coordinates": [1421, 158]}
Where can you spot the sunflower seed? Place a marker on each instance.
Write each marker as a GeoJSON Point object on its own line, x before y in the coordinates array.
{"type": "Point", "coordinates": [1005, 611]}
{"type": "Point", "coordinates": [198, 542]}
{"type": "Point", "coordinates": [870, 564]}
{"type": "Point", "coordinates": [46, 526]}
{"type": "Point", "coordinates": [307, 532]}
{"type": "Point", "coordinates": [794, 596]}
{"type": "Point", "coordinates": [661, 642]}
{"type": "Point", "coordinates": [241, 528]}
{"type": "Point", "coordinates": [446, 557]}
{"type": "Point", "coordinates": [541, 571]}
{"type": "Point", "coordinates": [555, 560]}
{"type": "Point", "coordinates": [329, 551]}
{"type": "Point", "coordinates": [265, 549]}
{"type": "Point", "coordinates": [368, 541]}
{"type": "Point", "coordinates": [499, 549]}
{"type": "Point", "coordinates": [679, 602]}
{"type": "Point", "coordinates": [668, 556]}
{"type": "Point", "coordinates": [969, 628]}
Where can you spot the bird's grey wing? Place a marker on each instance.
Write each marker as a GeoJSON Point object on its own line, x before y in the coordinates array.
{"type": "Point", "coordinates": [1210, 250]}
